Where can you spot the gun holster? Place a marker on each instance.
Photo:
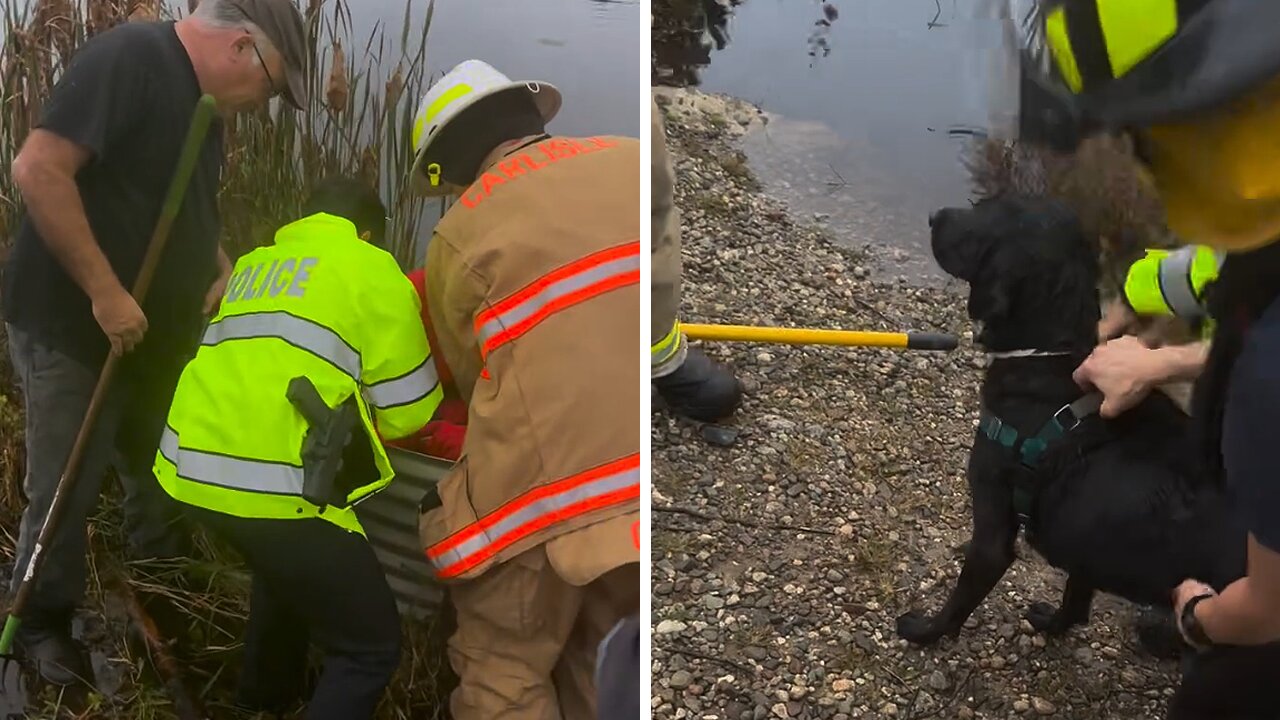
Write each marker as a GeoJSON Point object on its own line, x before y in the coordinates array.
{"type": "Point", "coordinates": [326, 479]}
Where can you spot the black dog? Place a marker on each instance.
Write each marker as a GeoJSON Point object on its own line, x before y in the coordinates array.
{"type": "Point", "coordinates": [1118, 503]}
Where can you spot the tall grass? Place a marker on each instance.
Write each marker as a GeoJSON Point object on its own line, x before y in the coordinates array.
{"type": "Point", "coordinates": [362, 99]}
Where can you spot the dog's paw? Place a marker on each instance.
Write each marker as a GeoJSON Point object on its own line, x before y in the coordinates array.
{"type": "Point", "coordinates": [1046, 619]}
{"type": "Point", "coordinates": [916, 627]}
{"type": "Point", "coordinates": [1158, 635]}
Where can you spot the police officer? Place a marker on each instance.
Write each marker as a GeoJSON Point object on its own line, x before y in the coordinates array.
{"type": "Point", "coordinates": [533, 278]}
{"type": "Point", "coordinates": [1198, 83]}
{"type": "Point", "coordinates": [274, 434]}
{"type": "Point", "coordinates": [691, 383]}
{"type": "Point", "coordinates": [1161, 283]}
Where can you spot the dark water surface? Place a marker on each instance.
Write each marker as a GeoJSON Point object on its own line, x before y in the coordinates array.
{"type": "Point", "coordinates": [590, 49]}
{"type": "Point", "coordinates": [860, 95]}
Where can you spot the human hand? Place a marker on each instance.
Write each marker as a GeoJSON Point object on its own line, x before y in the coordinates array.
{"type": "Point", "coordinates": [120, 317]}
{"type": "Point", "coordinates": [1183, 595]}
{"type": "Point", "coordinates": [1115, 321]}
{"type": "Point", "coordinates": [1123, 370]}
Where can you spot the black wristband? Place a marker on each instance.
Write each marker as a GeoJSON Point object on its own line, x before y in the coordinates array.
{"type": "Point", "coordinates": [1191, 625]}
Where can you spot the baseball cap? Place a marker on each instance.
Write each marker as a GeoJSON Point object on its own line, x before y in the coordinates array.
{"type": "Point", "coordinates": [282, 23]}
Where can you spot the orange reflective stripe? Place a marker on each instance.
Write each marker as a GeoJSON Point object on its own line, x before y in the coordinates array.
{"type": "Point", "coordinates": [562, 288]}
{"type": "Point", "coordinates": [610, 484]}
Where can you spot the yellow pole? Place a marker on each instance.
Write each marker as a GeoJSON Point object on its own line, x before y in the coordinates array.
{"type": "Point", "coordinates": [809, 336]}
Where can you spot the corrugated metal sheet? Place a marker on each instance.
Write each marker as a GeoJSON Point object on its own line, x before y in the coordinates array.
{"type": "Point", "coordinates": [390, 519]}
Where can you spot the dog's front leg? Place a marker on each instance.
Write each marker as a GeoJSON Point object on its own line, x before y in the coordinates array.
{"type": "Point", "coordinates": [1077, 598]}
{"type": "Point", "coordinates": [989, 555]}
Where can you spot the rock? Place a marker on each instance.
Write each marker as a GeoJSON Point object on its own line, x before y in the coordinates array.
{"type": "Point", "coordinates": [938, 681]}
{"type": "Point", "coordinates": [1021, 706]}
{"type": "Point", "coordinates": [964, 713]}
{"type": "Point", "coordinates": [669, 627]}
{"type": "Point", "coordinates": [841, 685]}
{"type": "Point", "coordinates": [719, 435]}
{"type": "Point", "coordinates": [889, 710]}
{"type": "Point", "coordinates": [712, 602]}
{"type": "Point", "coordinates": [780, 711]}
{"type": "Point", "coordinates": [798, 692]}
{"type": "Point", "coordinates": [680, 679]}
{"type": "Point", "coordinates": [1042, 706]}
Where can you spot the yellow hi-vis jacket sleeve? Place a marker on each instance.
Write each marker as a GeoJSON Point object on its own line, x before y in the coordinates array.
{"type": "Point", "coordinates": [399, 375]}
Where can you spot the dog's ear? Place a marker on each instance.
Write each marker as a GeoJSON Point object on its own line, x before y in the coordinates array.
{"type": "Point", "coordinates": [991, 300]}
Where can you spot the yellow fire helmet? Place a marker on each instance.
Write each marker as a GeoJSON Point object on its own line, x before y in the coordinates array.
{"type": "Point", "coordinates": [1134, 63]}
{"type": "Point", "coordinates": [459, 89]}
{"type": "Point", "coordinates": [1196, 82]}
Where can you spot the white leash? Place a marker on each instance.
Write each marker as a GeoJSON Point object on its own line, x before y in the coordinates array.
{"type": "Point", "coordinates": [1031, 352]}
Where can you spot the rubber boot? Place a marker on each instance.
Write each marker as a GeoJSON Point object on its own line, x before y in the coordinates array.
{"type": "Point", "coordinates": [45, 641]}
{"type": "Point", "coordinates": [700, 389]}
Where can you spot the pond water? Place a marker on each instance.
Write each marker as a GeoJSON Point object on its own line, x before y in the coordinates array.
{"type": "Point", "coordinates": [861, 95]}
{"type": "Point", "coordinates": [589, 49]}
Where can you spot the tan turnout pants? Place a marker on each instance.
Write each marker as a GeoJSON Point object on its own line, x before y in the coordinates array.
{"type": "Point", "coordinates": [667, 344]}
{"type": "Point", "coordinates": [525, 647]}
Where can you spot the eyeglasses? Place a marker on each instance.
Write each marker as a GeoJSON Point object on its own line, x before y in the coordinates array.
{"type": "Point", "coordinates": [271, 82]}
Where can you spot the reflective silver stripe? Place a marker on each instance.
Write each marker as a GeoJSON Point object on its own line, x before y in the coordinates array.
{"type": "Point", "coordinates": [554, 291]}
{"type": "Point", "coordinates": [405, 389]}
{"type": "Point", "coordinates": [299, 332]}
{"type": "Point", "coordinates": [1175, 283]}
{"type": "Point", "coordinates": [230, 472]}
{"type": "Point", "coordinates": [537, 509]}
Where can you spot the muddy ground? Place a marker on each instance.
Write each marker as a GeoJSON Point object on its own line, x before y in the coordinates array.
{"type": "Point", "coordinates": [783, 555]}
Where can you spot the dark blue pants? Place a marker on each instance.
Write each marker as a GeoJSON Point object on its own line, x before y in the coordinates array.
{"type": "Point", "coordinates": [313, 582]}
{"type": "Point", "coordinates": [1230, 683]}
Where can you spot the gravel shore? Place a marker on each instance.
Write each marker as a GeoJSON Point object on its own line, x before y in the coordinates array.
{"type": "Point", "coordinates": [786, 543]}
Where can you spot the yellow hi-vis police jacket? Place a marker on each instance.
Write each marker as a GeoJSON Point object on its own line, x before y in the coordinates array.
{"type": "Point", "coordinates": [320, 303]}
{"type": "Point", "coordinates": [1172, 282]}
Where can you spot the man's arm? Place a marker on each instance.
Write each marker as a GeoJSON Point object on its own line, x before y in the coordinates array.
{"type": "Point", "coordinates": [104, 92]}
{"type": "Point", "coordinates": [399, 375]}
{"type": "Point", "coordinates": [213, 297]}
{"type": "Point", "coordinates": [45, 173]}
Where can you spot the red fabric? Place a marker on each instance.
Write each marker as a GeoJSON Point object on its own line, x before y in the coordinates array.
{"type": "Point", "coordinates": [443, 436]}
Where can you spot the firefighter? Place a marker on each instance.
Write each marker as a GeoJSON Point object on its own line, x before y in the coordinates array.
{"type": "Point", "coordinates": [533, 284]}
{"type": "Point", "coordinates": [273, 437]}
{"type": "Point", "coordinates": [691, 383]}
{"type": "Point", "coordinates": [1197, 83]}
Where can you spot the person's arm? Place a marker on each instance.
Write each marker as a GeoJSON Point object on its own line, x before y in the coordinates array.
{"type": "Point", "coordinates": [1245, 613]}
{"type": "Point", "coordinates": [99, 98]}
{"type": "Point", "coordinates": [399, 375]}
{"type": "Point", "coordinates": [45, 173]}
{"type": "Point", "coordinates": [213, 297]}
{"type": "Point", "coordinates": [447, 277]}
{"type": "Point", "coordinates": [1125, 371]}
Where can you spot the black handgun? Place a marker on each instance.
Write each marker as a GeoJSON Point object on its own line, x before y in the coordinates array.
{"type": "Point", "coordinates": [322, 447]}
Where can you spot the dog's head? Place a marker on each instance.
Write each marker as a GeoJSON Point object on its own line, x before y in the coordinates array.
{"type": "Point", "coordinates": [1032, 271]}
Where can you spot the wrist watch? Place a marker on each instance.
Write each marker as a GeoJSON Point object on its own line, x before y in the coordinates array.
{"type": "Point", "coordinates": [1191, 627]}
